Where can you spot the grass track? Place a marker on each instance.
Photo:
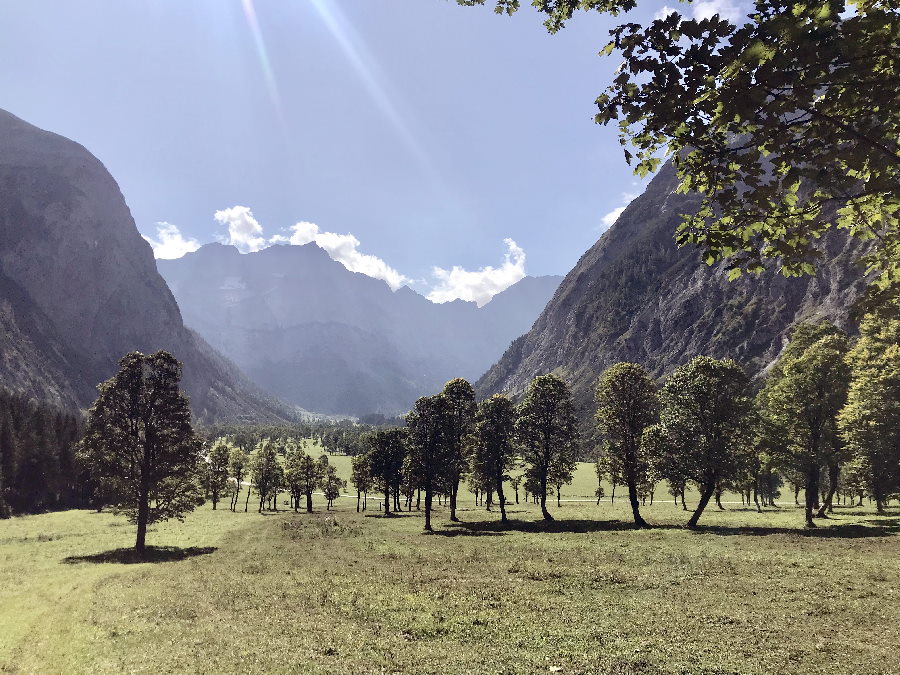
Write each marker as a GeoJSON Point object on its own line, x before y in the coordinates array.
{"type": "Point", "coordinates": [347, 593]}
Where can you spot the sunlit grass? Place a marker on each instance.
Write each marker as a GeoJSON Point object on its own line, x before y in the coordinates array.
{"type": "Point", "coordinates": [347, 592]}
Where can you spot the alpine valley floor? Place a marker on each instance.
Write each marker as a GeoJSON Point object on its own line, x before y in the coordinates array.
{"type": "Point", "coordinates": [341, 592]}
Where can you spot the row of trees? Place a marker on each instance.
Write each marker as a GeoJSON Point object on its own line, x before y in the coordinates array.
{"type": "Point", "coordinates": [448, 437]}
{"type": "Point", "coordinates": [827, 408]}
{"type": "Point", "coordinates": [273, 467]}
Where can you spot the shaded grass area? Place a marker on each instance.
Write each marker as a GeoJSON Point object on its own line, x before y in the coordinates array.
{"type": "Point", "coordinates": [342, 593]}
{"type": "Point", "coordinates": [152, 554]}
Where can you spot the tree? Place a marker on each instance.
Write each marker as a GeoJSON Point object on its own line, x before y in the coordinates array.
{"type": "Point", "coordinates": [870, 421]}
{"type": "Point", "coordinates": [426, 423]}
{"type": "Point", "coordinates": [361, 477]}
{"type": "Point", "coordinates": [495, 452]}
{"type": "Point", "coordinates": [805, 391]}
{"type": "Point", "coordinates": [705, 418]}
{"type": "Point", "coordinates": [459, 427]}
{"type": "Point", "coordinates": [331, 486]}
{"type": "Point", "coordinates": [787, 124]}
{"type": "Point", "coordinates": [265, 472]}
{"type": "Point", "coordinates": [215, 471]}
{"type": "Point", "coordinates": [388, 450]}
{"type": "Point", "coordinates": [546, 432]}
{"type": "Point", "coordinates": [237, 467]}
{"type": "Point", "coordinates": [304, 475]}
{"type": "Point", "coordinates": [140, 446]}
{"type": "Point", "coordinates": [627, 403]}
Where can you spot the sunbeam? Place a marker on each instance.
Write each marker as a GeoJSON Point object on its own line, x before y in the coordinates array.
{"type": "Point", "coordinates": [264, 61]}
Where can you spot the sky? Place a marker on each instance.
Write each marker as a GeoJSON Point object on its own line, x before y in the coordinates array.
{"type": "Point", "coordinates": [442, 147]}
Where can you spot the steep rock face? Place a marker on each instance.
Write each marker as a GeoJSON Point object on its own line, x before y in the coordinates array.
{"type": "Point", "coordinates": [80, 288]}
{"type": "Point", "coordinates": [334, 341]}
{"type": "Point", "coordinates": [634, 296]}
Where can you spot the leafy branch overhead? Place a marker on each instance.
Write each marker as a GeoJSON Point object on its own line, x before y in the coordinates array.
{"type": "Point", "coordinates": [787, 124]}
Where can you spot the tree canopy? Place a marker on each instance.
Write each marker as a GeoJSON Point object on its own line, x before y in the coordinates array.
{"type": "Point", "coordinates": [139, 443]}
{"type": "Point", "coordinates": [787, 123]}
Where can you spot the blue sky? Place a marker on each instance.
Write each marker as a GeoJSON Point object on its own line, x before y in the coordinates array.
{"type": "Point", "coordinates": [400, 135]}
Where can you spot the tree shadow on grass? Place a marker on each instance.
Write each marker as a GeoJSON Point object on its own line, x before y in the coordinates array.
{"type": "Point", "coordinates": [844, 531]}
{"type": "Point", "coordinates": [497, 527]}
{"type": "Point", "coordinates": [883, 528]}
{"type": "Point", "coordinates": [153, 554]}
{"type": "Point", "coordinates": [392, 514]}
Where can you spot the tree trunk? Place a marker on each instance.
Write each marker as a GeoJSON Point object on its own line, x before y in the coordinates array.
{"type": "Point", "coordinates": [705, 496]}
{"type": "Point", "coordinates": [387, 501]}
{"type": "Point", "coordinates": [812, 490]}
{"type": "Point", "coordinates": [517, 495]}
{"type": "Point", "coordinates": [454, 490]}
{"type": "Point", "coordinates": [142, 517]}
{"type": "Point", "coordinates": [544, 510]}
{"type": "Point", "coordinates": [309, 502]}
{"type": "Point", "coordinates": [501, 497]}
{"type": "Point", "coordinates": [357, 501]}
{"type": "Point", "coordinates": [558, 497]}
{"type": "Point", "coordinates": [756, 501]}
{"type": "Point", "coordinates": [635, 505]}
{"type": "Point", "coordinates": [247, 502]}
{"type": "Point", "coordinates": [428, 510]}
{"type": "Point", "coordinates": [612, 497]}
{"type": "Point", "coordinates": [683, 503]}
{"type": "Point", "coordinates": [797, 495]}
{"type": "Point", "coordinates": [833, 473]}
{"type": "Point", "coordinates": [719, 500]}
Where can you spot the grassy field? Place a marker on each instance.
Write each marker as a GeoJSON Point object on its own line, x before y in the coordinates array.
{"type": "Point", "coordinates": [343, 592]}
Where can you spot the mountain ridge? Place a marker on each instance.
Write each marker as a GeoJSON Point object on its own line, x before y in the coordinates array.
{"type": "Point", "coordinates": [327, 339]}
{"type": "Point", "coordinates": [635, 296]}
{"type": "Point", "coordinates": [79, 287]}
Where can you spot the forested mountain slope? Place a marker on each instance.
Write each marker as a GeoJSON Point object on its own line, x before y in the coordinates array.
{"type": "Point", "coordinates": [334, 341]}
{"type": "Point", "coordinates": [634, 296]}
{"type": "Point", "coordinates": [79, 287]}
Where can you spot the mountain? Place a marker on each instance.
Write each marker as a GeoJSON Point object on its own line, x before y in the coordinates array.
{"type": "Point", "coordinates": [319, 336]}
{"type": "Point", "coordinates": [634, 296]}
{"type": "Point", "coordinates": [79, 287]}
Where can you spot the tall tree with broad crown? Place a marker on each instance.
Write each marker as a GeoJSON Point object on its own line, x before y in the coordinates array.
{"type": "Point", "coordinates": [627, 403]}
{"type": "Point", "coordinates": [870, 422]}
{"type": "Point", "coordinates": [547, 434]}
{"type": "Point", "coordinates": [706, 418]}
{"type": "Point", "coordinates": [805, 391]}
{"type": "Point", "coordinates": [140, 446]}
{"type": "Point", "coordinates": [428, 447]}
{"type": "Point", "coordinates": [495, 450]}
{"type": "Point", "coordinates": [460, 425]}
{"type": "Point", "coordinates": [386, 461]}
{"type": "Point", "coordinates": [215, 471]}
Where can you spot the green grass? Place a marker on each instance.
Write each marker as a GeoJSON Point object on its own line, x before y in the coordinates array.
{"type": "Point", "coordinates": [343, 592]}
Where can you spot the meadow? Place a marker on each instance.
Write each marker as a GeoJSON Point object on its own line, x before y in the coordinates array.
{"type": "Point", "coordinates": [341, 592]}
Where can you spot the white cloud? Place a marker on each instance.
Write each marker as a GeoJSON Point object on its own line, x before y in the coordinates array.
{"type": "Point", "coordinates": [664, 12]}
{"type": "Point", "coordinates": [244, 231]}
{"type": "Point", "coordinates": [170, 242]}
{"type": "Point", "coordinates": [726, 9]}
{"type": "Point", "coordinates": [345, 249]}
{"type": "Point", "coordinates": [480, 285]}
{"type": "Point", "coordinates": [613, 215]}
